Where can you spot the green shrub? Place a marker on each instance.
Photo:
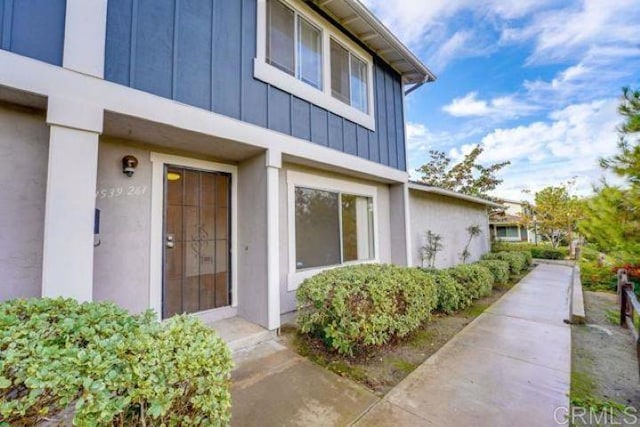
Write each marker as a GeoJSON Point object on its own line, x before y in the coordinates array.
{"type": "Point", "coordinates": [550, 253]}
{"type": "Point", "coordinates": [450, 294]}
{"type": "Point", "coordinates": [540, 251]}
{"type": "Point", "coordinates": [113, 367]}
{"type": "Point", "coordinates": [353, 308]}
{"type": "Point", "coordinates": [517, 260]}
{"type": "Point", "coordinates": [499, 269]}
{"type": "Point", "coordinates": [595, 278]}
{"type": "Point", "coordinates": [476, 280]}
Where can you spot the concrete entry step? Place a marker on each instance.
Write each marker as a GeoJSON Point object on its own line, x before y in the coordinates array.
{"type": "Point", "coordinates": [239, 333]}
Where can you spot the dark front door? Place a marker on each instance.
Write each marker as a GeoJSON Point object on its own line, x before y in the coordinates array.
{"type": "Point", "coordinates": [197, 241]}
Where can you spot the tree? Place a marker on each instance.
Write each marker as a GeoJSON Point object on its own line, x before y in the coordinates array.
{"type": "Point", "coordinates": [557, 213]}
{"type": "Point", "coordinates": [467, 177]}
{"type": "Point", "coordinates": [431, 247]}
{"type": "Point", "coordinates": [627, 162]}
{"type": "Point", "coordinates": [611, 220]}
{"type": "Point", "coordinates": [474, 231]}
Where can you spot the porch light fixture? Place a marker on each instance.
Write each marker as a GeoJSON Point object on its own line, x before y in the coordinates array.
{"type": "Point", "coordinates": [129, 165]}
{"type": "Point", "coordinates": [173, 176]}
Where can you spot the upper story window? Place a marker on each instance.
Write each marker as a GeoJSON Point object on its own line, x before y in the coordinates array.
{"type": "Point", "coordinates": [301, 53]}
{"type": "Point", "coordinates": [294, 45]}
{"type": "Point", "coordinates": [348, 77]}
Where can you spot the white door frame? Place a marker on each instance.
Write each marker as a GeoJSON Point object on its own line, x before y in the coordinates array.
{"type": "Point", "coordinates": [159, 161]}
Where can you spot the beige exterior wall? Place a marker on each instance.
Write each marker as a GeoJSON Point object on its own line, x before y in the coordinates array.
{"type": "Point", "coordinates": [288, 298]}
{"type": "Point", "coordinates": [24, 147]}
{"type": "Point", "coordinates": [449, 218]}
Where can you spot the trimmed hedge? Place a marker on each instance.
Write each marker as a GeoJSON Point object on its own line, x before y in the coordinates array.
{"type": "Point", "coordinates": [499, 269]}
{"type": "Point", "coordinates": [540, 251]}
{"type": "Point", "coordinates": [450, 294]}
{"type": "Point", "coordinates": [356, 307]}
{"type": "Point", "coordinates": [517, 260]}
{"type": "Point", "coordinates": [476, 280]}
{"type": "Point", "coordinates": [550, 253]}
{"type": "Point", "coordinates": [112, 367]}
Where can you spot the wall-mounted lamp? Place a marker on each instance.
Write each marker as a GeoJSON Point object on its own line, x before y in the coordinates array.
{"type": "Point", "coordinates": [129, 165]}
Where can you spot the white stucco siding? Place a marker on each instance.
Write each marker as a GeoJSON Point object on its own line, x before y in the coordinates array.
{"type": "Point", "coordinates": [448, 217]}
{"type": "Point", "coordinates": [382, 211]}
{"type": "Point", "coordinates": [23, 174]}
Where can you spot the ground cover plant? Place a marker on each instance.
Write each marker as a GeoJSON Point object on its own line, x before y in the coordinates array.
{"type": "Point", "coordinates": [99, 365]}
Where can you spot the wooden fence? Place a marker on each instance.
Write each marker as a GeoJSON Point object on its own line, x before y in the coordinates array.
{"type": "Point", "coordinates": [629, 309]}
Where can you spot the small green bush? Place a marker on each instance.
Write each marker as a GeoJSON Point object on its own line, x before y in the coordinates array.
{"type": "Point", "coordinates": [476, 280]}
{"type": "Point", "coordinates": [595, 278]}
{"type": "Point", "coordinates": [356, 307]}
{"type": "Point", "coordinates": [113, 367]}
{"type": "Point", "coordinates": [499, 269]}
{"type": "Point", "coordinates": [517, 260]}
{"type": "Point", "coordinates": [450, 294]}
{"type": "Point", "coordinates": [540, 251]}
{"type": "Point", "coordinates": [550, 253]}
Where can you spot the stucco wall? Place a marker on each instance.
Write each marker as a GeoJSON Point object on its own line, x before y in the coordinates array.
{"type": "Point", "coordinates": [252, 240]}
{"type": "Point", "coordinates": [24, 148]}
{"type": "Point", "coordinates": [449, 218]}
{"type": "Point", "coordinates": [288, 298]}
{"type": "Point", "coordinates": [121, 262]}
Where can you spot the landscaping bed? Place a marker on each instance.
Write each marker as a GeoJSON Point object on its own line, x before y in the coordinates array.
{"type": "Point", "coordinates": [604, 366]}
{"type": "Point", "coordinates": [382, 367]}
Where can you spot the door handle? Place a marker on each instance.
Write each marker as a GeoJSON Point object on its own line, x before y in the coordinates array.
{"type": "Point", "coordinates": [169, 242]}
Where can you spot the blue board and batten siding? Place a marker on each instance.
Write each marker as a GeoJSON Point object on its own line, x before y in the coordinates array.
{"type": "Point", "coordinates": [33, 28]}
{"type": "Point", "coordinates": [201, 52]}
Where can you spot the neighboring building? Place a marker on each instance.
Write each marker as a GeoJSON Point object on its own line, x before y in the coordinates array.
{"type": "Point", "coordinates": [448, 214]}
{"type": "Point", "coordinates": [220, 150]}
{"type": "Point", "coordinates": [507, 223]}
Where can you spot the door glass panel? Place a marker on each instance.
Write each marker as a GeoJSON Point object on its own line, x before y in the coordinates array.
{"type": "Point", "coordinates": [196, 241]}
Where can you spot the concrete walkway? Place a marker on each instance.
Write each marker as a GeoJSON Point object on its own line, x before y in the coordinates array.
{"type": "Point", "coordinates": [509, 367]}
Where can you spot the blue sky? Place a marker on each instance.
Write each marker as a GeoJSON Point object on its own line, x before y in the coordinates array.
{"type": "Point", "coordinates": [535, 81]}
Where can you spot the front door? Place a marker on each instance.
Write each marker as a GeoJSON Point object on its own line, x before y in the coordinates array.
{"type": "Point", "coordinates": [197, 241]}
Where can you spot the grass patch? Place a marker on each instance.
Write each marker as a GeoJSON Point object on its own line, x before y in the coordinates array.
{"type": "Point", "coordinates": [403, 366]}
{"type": "Point", "coordinates": [613, 316]}
{"type": "Point", "coordinates": [475, 310]}
{"type": "Point", "coordinates": [583, 386]}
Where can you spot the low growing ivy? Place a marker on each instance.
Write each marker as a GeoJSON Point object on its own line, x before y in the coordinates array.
{"type": "Point", "coordinates": [109, 367]}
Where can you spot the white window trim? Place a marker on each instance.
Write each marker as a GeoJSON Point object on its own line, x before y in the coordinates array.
{"type": "Point", "coordinates": [301, 179]}
{"type": "Point", "coordinates": [158, 163]}
{"type": "Point", "coordinates": [320, 97]}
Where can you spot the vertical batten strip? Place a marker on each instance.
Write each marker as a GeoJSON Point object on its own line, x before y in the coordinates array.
{"type": "Point", "coordinates": [7, 25]}
{"type": "Point", "coordinates": [134, 37]}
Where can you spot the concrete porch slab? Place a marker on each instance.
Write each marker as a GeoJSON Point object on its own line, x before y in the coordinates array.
{"type": "Point", "coordinates": [239, 333]}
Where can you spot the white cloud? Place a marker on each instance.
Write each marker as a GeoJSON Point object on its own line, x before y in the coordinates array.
{"type": "Point", "coordinates": [501, 107]}
{"type": "Point", "coordinates": [550, 152]}
{"type": "Point", "coordinates": [571, 32]}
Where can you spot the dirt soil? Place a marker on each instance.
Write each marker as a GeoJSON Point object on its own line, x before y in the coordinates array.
{"type": "Point", "coordinates": [384, 368]}
{"type": "Point", "coordinates": [604, 361]}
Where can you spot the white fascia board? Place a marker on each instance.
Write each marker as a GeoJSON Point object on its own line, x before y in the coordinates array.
{"type": "Point", "coordinates": [37, 77]}
{"type": "Point", "coordinates": [453, 194]}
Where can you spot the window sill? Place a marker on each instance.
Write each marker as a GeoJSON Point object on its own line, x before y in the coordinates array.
{"type": "Point", "coordinates": [295, 279]}
{"type": "Point", "coordinates": [275, 77]}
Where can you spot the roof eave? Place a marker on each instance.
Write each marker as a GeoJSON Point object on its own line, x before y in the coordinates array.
{"type": "Point", "coordinates": [453, 194]}
{"type": "Point", "coordinates": [420, 73]}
